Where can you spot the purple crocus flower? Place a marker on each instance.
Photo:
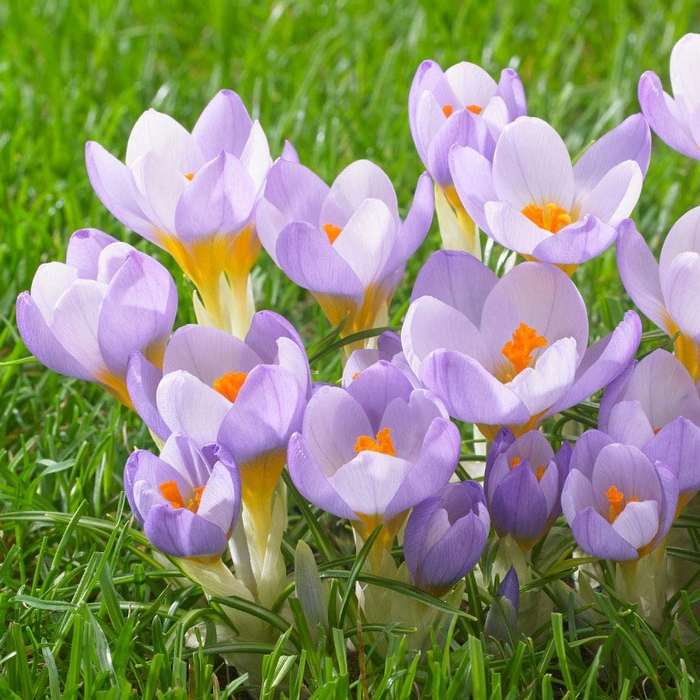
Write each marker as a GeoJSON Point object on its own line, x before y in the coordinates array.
{"type": "Point", "coordinates": [676, 120]}
{"type": "Point", "coordinates": [508, 352]}
{"type": "Point", "coordinates": [654, 405]}
{"type": "Point", "coordinates": [445, 536]}
{"type": "Point", "coordinates": [619, 504]}
{"type": "Point", "coordinates": [83, 318]}
{"type": "Point", "coordinates": [187, 500]}
{"type": "Point", "coordinates": [667, 291]}
{"type": "Point", "coordinates": [502, 619]}
{"type": "Point", "coordinates": [388, 349]}
{"type": "Point", "coordinates": [192, 193]}
{"type": "Point", "coordinates": [346, 244]}
{"type": "Point", "coordinates": [246, 395]}
{"type": "Point", "coordinates": [463, 106]}
{"type": "Point", "coordinates": [533, 201]}
{"type": "Point", "coordinates": [372, 451]}
{"type": "Point", "coordinates": [523, 482]}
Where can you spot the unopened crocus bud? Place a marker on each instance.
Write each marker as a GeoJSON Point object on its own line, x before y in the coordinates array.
{"type": "Point", "coordinates": [187, 500]}
{"type": "Point", "coordinates": [523, 482]}
{"type": "Point", "coordinates": [85, 317]}
{"type": "Point", "coordinates": [618, 503]}
{"type": "Point", "coordinates": [445, 536]}
{"type": "Point", "coordinates": [502, 619]}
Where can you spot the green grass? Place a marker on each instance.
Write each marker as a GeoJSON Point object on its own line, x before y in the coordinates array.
{"type": "Point", "coordinates": [86, 610]}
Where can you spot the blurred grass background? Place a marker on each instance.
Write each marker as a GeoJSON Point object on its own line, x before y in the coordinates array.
{"type": "Point", "coordinates": [332, 77]}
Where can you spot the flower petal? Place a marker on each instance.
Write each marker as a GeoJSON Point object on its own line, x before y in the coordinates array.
{"type": "Point", "coordinates": [596, 537]}
{"type": "Point", "coordinates": [223, 125]}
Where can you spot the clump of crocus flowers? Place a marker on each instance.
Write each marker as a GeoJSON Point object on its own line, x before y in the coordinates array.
{"type": "Point", "coordinates": [232, 400]}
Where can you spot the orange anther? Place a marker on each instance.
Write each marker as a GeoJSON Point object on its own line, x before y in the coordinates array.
{"type": "Point", "coordinates": [474, 109]}
{"type": "Point", "coordinates": [552, 218]}
{"type": "Point", "coordinates": [230, 384]}
{"type": "Point", "coordinates": [332, 231]}
{"type": "Point", "coordinates": [617, 502]}
{"type": "Point", "coordinates": [540, 473]}
{"type": "Point", "coordinates": [382, 444]}
{"type": "Point", "coordinates": [447, 110]}
{"type": "Point", "coordinates": [171, 493]}
{"type": "Point", "coordinates": [518, 350]}
{"type": "Point", "coordinates": [190, 176]}
{"type": "Point", "coordinates": [514, 462]}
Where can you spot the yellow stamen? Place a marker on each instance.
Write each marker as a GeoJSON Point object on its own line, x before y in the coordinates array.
{"type": "Point", "coordinates": [474, 109]}
{"type": "Point", "coordinates": [382, 444]}
{"type": "Point", "coordinates": [190, 176]}
{"type": "Point", "coordinates": [525, 341]}
{"type": "Point", "coordinates": [552, 218]}
{"type": "Point", "coordinates": [230, 384]}
{"type": "Point", "coordinates": [332, 231]}
{"type": "Point", "coordinates": [171, 492]}
{"type": "Point", "coordinates": [514, 462]}
{"type": "Point", "coordinates": [447, 110]}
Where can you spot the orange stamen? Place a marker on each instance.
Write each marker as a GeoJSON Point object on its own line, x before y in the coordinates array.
{"type": "Point", "coordinates": [656, 431]}
{"type": "Point", "coordinates": [474, 109]}
{"type": "Point", "coordinates": [332, 231]}
{"type": "Point", "coordinates": [552, 218]}
{"type": "Point", "coordinates": [171, 493]}
{"type": "Point", "coordinates": [540, 473]}
{"type": "Point", "coordinates": [190, 176]}
{"type": "Point", "coordinates": [382, 444]}
{"type": "Point", "coordinates": [447, 110]}
{"type": "Point", "coordinates": [230, 384]}
{"type": "Point", "coordinates": [514, 462]}
{"type": "Point", "coordinates": [617, 502]}
{"type": "Point", "coordinates": [525, 341]}
{"type": "Point", "coordinates": [356, 375]}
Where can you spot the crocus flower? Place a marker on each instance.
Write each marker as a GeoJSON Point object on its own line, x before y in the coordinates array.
{"type": "Point", "coordinates": [464, 106]}
{"type": "Point", "coordinates": [372, 451]}
{"type": "Point", "coordinates": [533, 201]}
{"type": "Point", "coordinates": [193, 195]}
{"type": "Point", "coordinates": [388, 349]}
{"type": "Point", "coordinates": [83, 318]}
{"type": "Point", "coordinates": [676, 120]}
{"type": "Point", "coordinates": [346, 244]}
{"type": "Point", "coordinates": [507, 352]}
{"type": "Point", "coordinates": [619, 504]}
{"type": "Point", "coordinates": [187, 500]}
{"type": "Point", "coordinates": [445, 536]}
{"type": "Point", "coordinates": [654, 405]}
{"type": "Point", "coordinates": [247, 396]}
{"type": "Point", "coordinates": [667, 292]}
{"type": "Point", "coordinates": [523, 483]}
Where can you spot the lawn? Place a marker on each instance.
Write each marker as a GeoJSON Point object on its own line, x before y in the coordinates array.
{"type": "Point", "coordinates": [86, 608]}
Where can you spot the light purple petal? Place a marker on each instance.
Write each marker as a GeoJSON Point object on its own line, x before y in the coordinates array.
{"type": "Point", "coordinates": [42, 343]}
{"type": "Point", "coordinates": [311, 481]}
{"type": "Point", "coordinates": [269, 408]}
{"type": "Point", "coordinates": [684, 236]}
{"type": "Point", "coordinates": [508, 226]}
{"type": "Point", "coordinates": [114, 185]}
{"type": "Point", "coordinates": [586, 451]}
{"type": "Point", "coordinates": [458, 279]}
{"type": "Point", "coordinates": [51, 281]}
{"type": "Point", "coordinates": [138, 312]}
{"type": "Point", "coordinates": [603, 361]}
{"type": "Point", "coordinates": [218, 201]}
{"type": "Point", "coordinates": [681, 290]}
{"type": "Point", "coordinates": [296, 191]}
{"type": "Point", "coordinates": [308, 259]}
{"type": "Point", "coordinates": [576, 495]}
{"type": "Point", "coordinates": [577, 242]}
{"type": "Point", "coordinates": [223, 125]}
{"type": "Point", "coordinates": [638, 523]}
{"type": "Point", "coordinates": [332, 423]}
{"type": "Point", "coordinates": [677, 445]}
{"type": "Point", "coordinates": [532, 166]}
{"type": "Point", "coordinates": [639, 272]}
{"type": "Point", "coordinates": [472, 177]}
{"type": "Point", "coordinates": [160, 134]}
{"type": "Point", "coordinates": [629, 424]}
{"type": "Point", "coordinates": [84, 248]}
{"type": "Point", "coordinates": [630, 140]}
{"type": "Point", "coordinates": [207, 353]}
{"type": "Point", "coordinates": [510, 88]}
{"type": "Point", "coordinates": [470, 392]}
{"type": "Point", "coordinates": [190, 407]}
{"type": "Point", "coordinates": [614, 197]}
{"type": "Point", "coordinates": [629, 470]}
{"type": "Point", "coordinates": [256, 156]}
{"type": "Point", "coordinates": [596, 536]}
{"type": "Point", "coordinates": [142, 379]}
{"type": "Point", "coordinates": [220, 498]}
{"type": "Point", "coordinates": [685, 59]}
